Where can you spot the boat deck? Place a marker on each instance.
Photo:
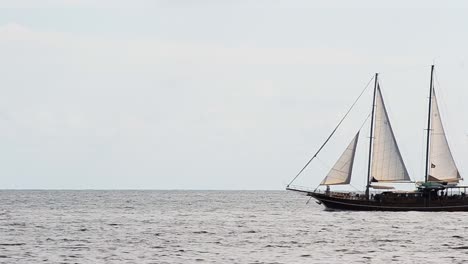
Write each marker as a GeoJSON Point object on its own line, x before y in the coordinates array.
{"type": "Point", "coordinates": [423, 200]}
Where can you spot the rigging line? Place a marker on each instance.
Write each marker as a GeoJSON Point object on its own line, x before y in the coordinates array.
{"type": "Point", "coordinates": [320, 184]}
{"type": "Point", "coordinates": [422, 165]}
{"type": "Point", "coordinates": [363, 123]}
{"type": "Point", "coordinates": [332, 133]}
{"type": "Point", "coordinates": [323, 163]}
{"type": "Point", "coordinates": [440, 93]}
{"type": "Point", "coordinates": [355, 188]}
{"type": "Point", "coordinates": [326, 165]}
{"type": "Point", "coordinates": [444, 108]}
{"type": "Point", "coordinates": [442, 99]}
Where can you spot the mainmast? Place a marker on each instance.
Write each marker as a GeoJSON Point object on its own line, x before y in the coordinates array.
{"type": "Point", "coordinates": [429, 125]}
{"type": "Point", "coordinates": [371, 136]}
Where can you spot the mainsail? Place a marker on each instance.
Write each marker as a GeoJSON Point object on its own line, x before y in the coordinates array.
{"type": "Point", "coordinates": [387, 163]}
{"type": "Point", "coordinates": [441, 164]}
{"type": "Point", "coordinates": [341, 171]}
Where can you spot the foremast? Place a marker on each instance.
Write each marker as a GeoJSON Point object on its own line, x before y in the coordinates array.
{"type": "Point", "coordinates": [371, 136]}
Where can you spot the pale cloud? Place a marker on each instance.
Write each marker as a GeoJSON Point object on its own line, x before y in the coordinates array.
{"type": "Point", "coordinates": [15, 32]}
{"type": "Point", "coordinates": [187, 59]}
{"type": "Point", "coordinates": [247, 4]}
{"type": "Point", "coordinates": [146, 51]}
{"type": "Point", "coordinates": [63, 3]}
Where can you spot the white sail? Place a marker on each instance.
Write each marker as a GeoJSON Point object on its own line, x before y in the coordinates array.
{"type": "Point", "coordinates": [387, 163]}
{"type": "Point", "coordinates": [341, 171]}
{"type": "Point", "coordinates": [441, 164]}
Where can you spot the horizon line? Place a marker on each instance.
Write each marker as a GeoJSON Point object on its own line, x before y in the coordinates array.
{"type": "Point", "coordinates": [136, 189]}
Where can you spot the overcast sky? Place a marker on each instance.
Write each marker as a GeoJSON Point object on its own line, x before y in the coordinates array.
{"type": "Point", "coordinates": [216, 94]}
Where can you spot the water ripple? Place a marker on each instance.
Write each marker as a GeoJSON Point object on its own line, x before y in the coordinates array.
{"type": "Point", "coordinates": [215, 227]}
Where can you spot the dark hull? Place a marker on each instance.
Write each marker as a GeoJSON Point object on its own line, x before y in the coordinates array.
{"type": "Point", "coordinates": [402, 204]}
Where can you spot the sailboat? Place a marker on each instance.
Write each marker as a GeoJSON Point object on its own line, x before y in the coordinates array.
{"type": "Point", "coordinates": [440, 190]}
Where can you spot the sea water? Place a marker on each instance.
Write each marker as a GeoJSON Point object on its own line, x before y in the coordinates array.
{"type": "Point", "coordinates": [217, 227]}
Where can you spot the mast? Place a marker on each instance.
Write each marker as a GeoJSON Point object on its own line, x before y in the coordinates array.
{"type": "Point", "coordinates": [371, 135]}
{"type": "Point", "coordinates": [429, 125]}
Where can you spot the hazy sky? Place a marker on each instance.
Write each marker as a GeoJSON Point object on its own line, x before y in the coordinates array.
{"type": "Point", "coordinates": [216, 94]}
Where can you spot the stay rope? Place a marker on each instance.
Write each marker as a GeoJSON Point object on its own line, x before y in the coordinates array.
{"type": "Point", "coordinates": [332, 133]}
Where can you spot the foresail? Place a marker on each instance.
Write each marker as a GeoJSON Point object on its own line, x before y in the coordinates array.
{"type": "Point", "coordinates": [387, 163]}
{"type": "Point", "coordinates": [342, 170]}
{"type": "Point", "coordinates": [441, 163]}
